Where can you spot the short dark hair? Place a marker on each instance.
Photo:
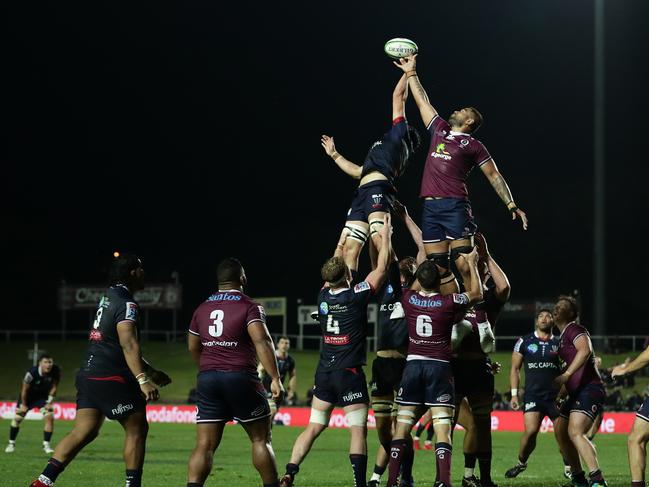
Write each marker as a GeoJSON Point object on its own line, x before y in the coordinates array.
{"type": "Point", "coordinates": [44, 355]}
{"type": "Point", "coordinates": [334, 270]}
{"type": "Point", "coordinates": [428, 275]}
{"type": "Point", "coordinates": [121, 268]}
{"type": "Point", "coordinates": [408, 269]}
{"type": "Point", "coordinates": [478, 119]}
{"type": "Point", "coordinates": [229, 270]}
{"type": "Point", "coordinates": [574, 306]}
{"type": "Point", "coordinates": [284, 337]}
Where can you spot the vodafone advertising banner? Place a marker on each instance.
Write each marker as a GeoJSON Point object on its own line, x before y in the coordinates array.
{"type": "Point", "coordinates": [171, 413]}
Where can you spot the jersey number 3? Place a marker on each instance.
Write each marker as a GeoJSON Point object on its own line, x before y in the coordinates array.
{"type": "Point", "coordinates": [216, 330]}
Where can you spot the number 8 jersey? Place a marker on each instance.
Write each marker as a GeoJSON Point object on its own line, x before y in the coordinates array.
{"type": "Point", "coordinates": [430, 320]}
{"type": "Point", "coordinates": [222, 322]}
{"type": "Point", "coordinates": [342, 314]}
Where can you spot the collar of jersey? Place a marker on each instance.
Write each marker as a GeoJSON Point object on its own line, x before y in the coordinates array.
{"type": "Point", "coordinates": [229, 291]}
{"type": "Point", "coordinates": [338, 291]}
{"type": "Point", "coordinates": [122, 285]}
{"type": "Point", "coordinates": [427, 294]}
{"type": "Point", "coordinates": [537, 336]}
{"type": "Point", "coordinates": [453, 132]}
{"type": "Point", "coordinates": [564, 330]}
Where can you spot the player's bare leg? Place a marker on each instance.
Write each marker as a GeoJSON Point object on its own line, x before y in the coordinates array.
{"type": "Point", "coordinates": [438, 252]}
{"type": "Point", "coordinates": [532, 422]}
{"type": "Point", "coordinates": [578, 427]}
{"type": "Point", "coordinates": [136, 429]}
{"type": "Point", "coordinates": [637, 448]}
{"type": "Point", "coordinates": [569, 451]}
{"type": "Point", "coordinates": [464, 417]}
{"type": "Point", "coordinates": [318, 422]}
{"type": "Point", "coordinates": [401, 445]}
{"type": "Point", "coordinates": [357, 233]}
{"type": "Point", "coordinates": [48, 428]}
{"type": "Point", "coordinates": [208, 438]}
{"type": "Point", "coordinates": [86, 428]}
{"type": "Point", "coordinates": [356, 416]}
{"type": "Point", "coordinates": [263, 456]}
{"type": "Point", "coordinates": [382, 406]}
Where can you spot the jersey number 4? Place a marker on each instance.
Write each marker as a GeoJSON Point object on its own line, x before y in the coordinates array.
{"type": "Point", "coordinates": [332, 325]}
{"type": "Point", "coordinates": [216, 330]}
{"type": "Point", "coordinates": [424, 326]}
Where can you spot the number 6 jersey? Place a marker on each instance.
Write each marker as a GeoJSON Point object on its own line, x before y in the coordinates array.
{"type": "Point", "coordinates": [222, 322]}
{"type": "Point", "coordinates": [430, 320]}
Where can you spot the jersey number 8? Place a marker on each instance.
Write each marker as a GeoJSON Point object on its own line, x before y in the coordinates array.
{"type": "Point", "coordinates": [424, 326]}
{"type": "Point", "coordinates": [216, 330]}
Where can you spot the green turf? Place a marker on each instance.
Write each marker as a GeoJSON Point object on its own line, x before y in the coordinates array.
{"type": "Point", "coordinates": [100, 464]}
{"type": "Point", "coordinates": [174, 359]}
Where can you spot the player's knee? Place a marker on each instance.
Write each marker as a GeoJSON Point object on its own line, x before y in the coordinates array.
{"type": "Point", "coordinates": [405, 420]}
{"type": "Point", "coordinates": [356, 233]}
{"type": "Point", "coordinates": [15, 423]}
{"type": "Point", "coordinates": [357, 417]}
{"type": "Point", "coordinates": [319, 417]}
{"type": "Point", "coordinates": [442, 259]}
{"type": "Point", "coordinates": [375, 227]}
{"type": "Point", "coordinates": [382, 409]}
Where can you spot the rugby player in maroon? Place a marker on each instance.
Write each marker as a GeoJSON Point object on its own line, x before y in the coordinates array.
{"type": "Point", "coordinates": [427, 381]}
{"type": "Point", "coordinates": [339, 378]}
{"type": "Point", "coordinates": [637, 440]}
{"type": "Point", "coordinates": [114, 381]}
{"type": "Point", "coordinates": [447, 219]}
{"type": "Point", "coordinates": [585, 393]}
{"type": "Point", "coordinates": [226, 335]}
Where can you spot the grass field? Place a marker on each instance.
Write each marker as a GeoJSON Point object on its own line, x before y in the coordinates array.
{"type": "Point", "coordinates": [100, 464]}
{"type": "Point", "coordinates": [174, 359]}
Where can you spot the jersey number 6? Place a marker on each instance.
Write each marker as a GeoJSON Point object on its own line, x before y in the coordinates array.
{"type": "Point", "coordinates": [216, 330]}
{"type": "Point", "coordinates": [424, 326]}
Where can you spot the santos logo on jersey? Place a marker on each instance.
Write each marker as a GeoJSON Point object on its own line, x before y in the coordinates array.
{"type": "Point", "coordinates": [425, 303]}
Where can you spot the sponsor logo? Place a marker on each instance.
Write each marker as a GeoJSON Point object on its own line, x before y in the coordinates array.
{"type": "Point", "coordinates": [350, 396]}
{"type": "Point", "coordinates": [461, 298]}
{"type": "Point", "coordinates": [259, 410]}
{"type": "Point", "coordinates": [389, 289]}
{"type": "Point", "coordinates": [262, 313]}
{"type": "Point", "coordinates": [376, 144]}
{"type": "Point", "coordinates": [532, 347]}
{"type": "Point", "coordinates": [441, 153]}
{"type": "Point", "coordinates": [224, 297]}
{"type": "Point", "coordinates": [425, 303]}
{"type": "Point", "coordinates": [324, 308]}
{"type": "Point", "coordinates": [541, 365]}
{"type": "Point", "coordinates": [529, 405]}
{"type": "Point", "coordinates": [215, 343]}
{"type": "Point", "coordinates": [121, 409]}
{"type": "Point", "coordinates": [464, 142]}
{"type": "Point", "coordinates": [444, 398]}
{"type": "Point", "coordinates": [95, 336]}
{"type": "Point", "coordinates": [336, 340]}
{"type": "Point", "coordinates": [362, 286]}
{"type": "Point", "coordinates": [131, 312]}
{"type": "Point", "coordinates": [377, 200]}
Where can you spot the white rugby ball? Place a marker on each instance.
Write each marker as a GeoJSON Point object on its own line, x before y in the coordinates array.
{"type": "Point", "coordinates": [400, 47]}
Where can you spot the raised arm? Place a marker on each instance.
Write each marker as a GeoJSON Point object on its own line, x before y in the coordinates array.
{"type": "Point", "coordinates": [377, 276]}
{"type": "Point", "coordinates": [474, 292]}
{"type": "Point", "coordinates": [347, 166]}
{"type": "Point", "coordinates": [502, 288]}
{"type": "Point", "coordinates": [409, 66]}
{"type": "Point", "coordinates": [413, 228]}
{"type": "Point", "coordinates": [399, 97]}
{"type": "Point", "coordinates": [640, 362]}
{"type": "Point", "coordinates": [127, 334]}
{"type": "Point", "coordinates": [266, 353]}
{"type": "Point", "coordinates": [514, 378]}
{"type": "Point", "coordinates": [499, 185]}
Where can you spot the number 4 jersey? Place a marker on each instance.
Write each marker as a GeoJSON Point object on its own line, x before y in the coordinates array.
{"type": "Point", "coordinates": [222, 322]}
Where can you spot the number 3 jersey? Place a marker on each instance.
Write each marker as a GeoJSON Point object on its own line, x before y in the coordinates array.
{"type": "Point", "coordinates": [430, 320]}
{"type": "Point", "coordinates": [342, 314]}
{"type": "Point", "coordinates": [105, 355]}
{"type": "Point", "coordinates": [222, 322]}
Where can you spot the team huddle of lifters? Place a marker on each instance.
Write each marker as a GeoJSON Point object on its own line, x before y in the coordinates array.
{"type": "Point", "coordinates": [437, 312]}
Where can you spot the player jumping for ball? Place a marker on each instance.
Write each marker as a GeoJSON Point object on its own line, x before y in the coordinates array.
{"type": "Point", "coordinates": [384, 163]}
{"type": "Point", "coordinates": [447, 220]}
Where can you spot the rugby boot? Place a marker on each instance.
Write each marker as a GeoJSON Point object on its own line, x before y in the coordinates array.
{"type": "Point", "coordinates": [374, 483]}
{"type": "Point", "coordinates": [472, 481]}
{"type": "Point", "coordinates": [515, 470]}
{"type": "Point", "coordinates": [594, 483]}
{"type": "Point", "coordinates": [41, 482]}
{"type": "Point", "coordinates": [286, 481]}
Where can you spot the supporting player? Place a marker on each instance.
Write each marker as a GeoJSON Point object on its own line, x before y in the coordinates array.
{"type": "Point", "coordinates": [339, 378]}
{"type": "Point", "coordinates": [538, 354]}
{"type": "Point", "coordinates": [427, 381]}
{"type": "Point", "coordinates": [586, 394]}
{"type": "Point", "coordinates": [637, 440]}
{"type": "Point", "coordinates": [472, 368]}
{"type": "Point", "coordinates": [425, 423]}
{"type": "Point", "coordinates": [384, 164]}
{"type": "Point", "coordinates": [447, 219]}
{"type": "Point", "coordinates": [227, 334]}
{"type": "Point", "coordinates": [37, 391]}
{"type": "Point", "coordinates": [114, 381]}
{"type": "Point", "coordinates": [286, 367]}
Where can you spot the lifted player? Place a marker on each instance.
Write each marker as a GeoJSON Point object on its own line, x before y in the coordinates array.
{"type": "Point", "coordinates": [447, 219]}
{"type": "Point", "coordinates": [586, 394]}
{"type": "Point", "coordinates": [339, 378]}
{"type": "Point", "coordinates": [38, 391]}
{"type": "Point", "coordinates": [427, 381]}
{"type": "Point", "coordinates": [114, 381]}
{"type": "Point", "coordinates": [227, 334]}
{"type": "Point", "coordinates": [538, 354]}
{"type": "Point", "coordinates": [385, 162]}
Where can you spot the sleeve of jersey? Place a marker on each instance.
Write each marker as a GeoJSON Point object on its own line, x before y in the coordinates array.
{"type": "Point", "coordinates": [130, 312]}
{"type": "Point", "coordinates": [517, 346]}
{"type": "Point", "coordinates": [193, 326]}
{"type": "Point", "coordinates": [438, 123]}
{"type": "Point", "coordinates": [256, 312]}
{"type": "Point", "coordinates": [363, 290]}
{"type": "Point", "coordinates": [28, 377]}
{"type": "Point", "coordinates": [482, 155]}
{"type": "Point", "coordinates": [398, 130]}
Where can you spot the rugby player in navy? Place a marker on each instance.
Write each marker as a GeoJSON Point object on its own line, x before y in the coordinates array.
{"type": "Point", "coordinates": [37, 391]}
{"type": "Point", "coordinates": [581, 381]}
{"type": "Point", "coordinates": [227, 334]}
{"type": "Point", "coordinates": [427, 381]}
{"type": "Point", "coordinates": [286, 367]}
{"type": "Point", "coordinates": [538, 354]}
{"type": "Point", "coordinates": [384, 164]}
{"type": "Point", "coordinates": [114, 381]}
{"type": "Point", "coordinates": [339, 378]}
{"type": "Point", "coordinates": [447, 219]}
{"type": "Point", "coordinates": [637, 440]}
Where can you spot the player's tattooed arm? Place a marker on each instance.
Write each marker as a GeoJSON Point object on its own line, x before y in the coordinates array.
{"type": "Point", "coordinates": [348, 167]}
{"type": "Point", "coordinates": [409, 66]}
{"type": "Point", "coordinates": [499, 185]}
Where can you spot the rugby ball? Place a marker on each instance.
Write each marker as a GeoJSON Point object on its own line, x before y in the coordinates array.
{"type": "Point", "coordinates": [400, 47]}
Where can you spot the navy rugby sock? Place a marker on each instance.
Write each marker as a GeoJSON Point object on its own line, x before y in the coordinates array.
{"type": "Point", "coordinates": [47, 435]}
{"type": "Point", "coordinates": [596, 476]}
{"type": "Point", "coordinates": [13, 433]}
{"type": "Point", "coordinates": [359, 467]}
{"type": "Point", "coordinates": [53, 469]}
{"type": "Point", "coordinates": [194, 484]}
{"type": "Point", "coordinates": [484, 461]}
{"type": "Point", "coordinates": [379, 470]}
{"type": "Point", "coordinates": [133, 478]}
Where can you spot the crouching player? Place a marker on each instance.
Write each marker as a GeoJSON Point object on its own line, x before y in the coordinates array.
{"type": "Point", "coordinates": [428, 377]}
{"type": "Point", "coordinates": [37, 391]}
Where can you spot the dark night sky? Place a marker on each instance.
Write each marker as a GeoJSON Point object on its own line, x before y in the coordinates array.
{"type": "Point", "coordinates": [191, 132]}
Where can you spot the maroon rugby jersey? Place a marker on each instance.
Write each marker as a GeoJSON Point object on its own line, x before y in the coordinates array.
{"type": "Point", "coordinates": [430, 322]}
{"type": "Point", "coordinates": [222, 322]}
{"type": "Point", "coordinates": [451, 157]}
{"type": "Point", "coordinates": [588, 373]}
